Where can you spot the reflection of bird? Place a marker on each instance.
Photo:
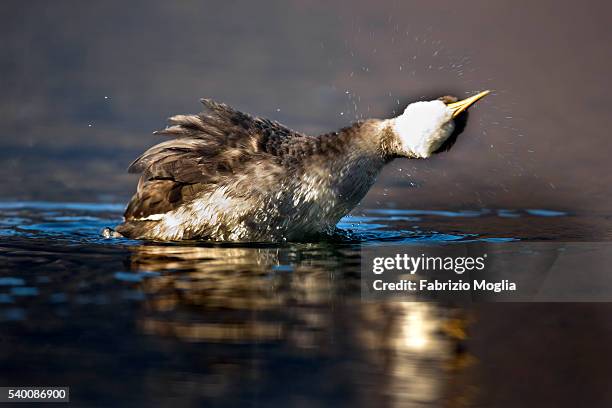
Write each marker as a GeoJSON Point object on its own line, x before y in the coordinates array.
{"type": "Point", "coordinates": [227, 176]}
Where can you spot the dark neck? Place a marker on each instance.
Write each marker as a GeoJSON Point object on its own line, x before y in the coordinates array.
{"type": "Point", "coordinates": [369, 137]}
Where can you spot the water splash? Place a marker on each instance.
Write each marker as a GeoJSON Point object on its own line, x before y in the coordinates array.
{"type": "Point", "coordinates": [82, 223]}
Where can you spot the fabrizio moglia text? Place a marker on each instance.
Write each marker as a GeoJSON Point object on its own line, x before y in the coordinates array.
{"type": "Point", "coordinates": [404, 264]}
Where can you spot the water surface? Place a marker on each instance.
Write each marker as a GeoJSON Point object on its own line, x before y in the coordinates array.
{"type": "Point", "coordinates": [266, 324]}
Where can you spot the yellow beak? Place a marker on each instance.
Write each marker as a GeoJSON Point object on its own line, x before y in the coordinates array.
{"type": "Point", "coordinates": [460, 106]}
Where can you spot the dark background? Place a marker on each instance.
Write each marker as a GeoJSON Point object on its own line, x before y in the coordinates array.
{"type": "Point", "coordinates": [83, 84]}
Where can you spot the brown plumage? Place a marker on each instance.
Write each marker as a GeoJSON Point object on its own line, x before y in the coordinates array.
{"type": "Point", "coordinates": [228, 176]}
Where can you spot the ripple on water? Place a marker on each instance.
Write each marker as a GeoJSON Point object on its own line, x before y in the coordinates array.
{"type": "Point", "coordinates": [82, 223]}
{"type": "Point", "coordinates": [24, 291]}
{"type": "Point", "coordinates": [5, 298]}
{"type": "Point", "coordinates": [10, 281]}
{"type": "Point", "coordinates": [545, 213]}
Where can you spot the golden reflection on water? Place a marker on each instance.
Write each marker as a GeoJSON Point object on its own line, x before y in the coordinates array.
{"type": "Point", "coordinates": [305, 300]}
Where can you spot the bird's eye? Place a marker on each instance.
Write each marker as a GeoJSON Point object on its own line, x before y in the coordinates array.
{"type": "Point", "coordinates": [447, 99]}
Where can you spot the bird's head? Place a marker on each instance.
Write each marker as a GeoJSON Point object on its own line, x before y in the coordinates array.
{"type": "Point", "coordinates": [425, 126]}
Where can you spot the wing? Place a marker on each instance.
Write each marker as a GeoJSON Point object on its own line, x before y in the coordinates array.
{"type": "Point", "coordinates": [206, 148]}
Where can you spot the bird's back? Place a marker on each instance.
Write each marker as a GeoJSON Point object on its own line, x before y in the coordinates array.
{"type": "Point", "coordinates": [229, 176]}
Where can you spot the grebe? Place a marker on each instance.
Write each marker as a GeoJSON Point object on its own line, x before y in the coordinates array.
{"type": "Point", "coordinates": [228, 176]}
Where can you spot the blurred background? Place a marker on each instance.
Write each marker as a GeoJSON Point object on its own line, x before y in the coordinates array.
{"type": "Point", "coordinates": [83, 85]}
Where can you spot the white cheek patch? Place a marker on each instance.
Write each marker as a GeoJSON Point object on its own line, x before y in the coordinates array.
{"type": "Point", "coordinates": [424, 127]}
